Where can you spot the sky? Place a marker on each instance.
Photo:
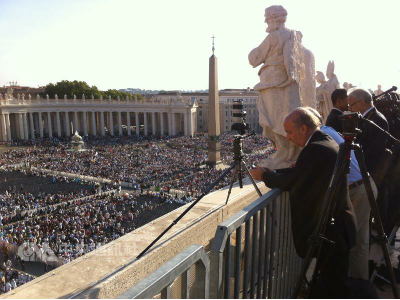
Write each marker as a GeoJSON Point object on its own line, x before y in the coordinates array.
{"type": "Point", "coordinates": [166, 44]}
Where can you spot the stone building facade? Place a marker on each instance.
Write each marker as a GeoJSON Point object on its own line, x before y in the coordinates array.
{"type": "Point", "coordinates": [226, 98]}
{"type": "Point", "coordinates": [24, 118]}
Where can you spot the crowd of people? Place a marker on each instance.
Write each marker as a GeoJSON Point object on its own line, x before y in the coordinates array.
{"type": "Point", "coordinates": [167, 162]}
{"type": "Point", "coordinates": [76, 228]}
{"type": "Point", "coordinates": [12, 278]}
{"type": "Point", "coordinates": [25, 193]}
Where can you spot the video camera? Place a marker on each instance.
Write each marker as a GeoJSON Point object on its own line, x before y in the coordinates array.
{"type": "Point", "coordinates": [391, 99]}
{"type": "Point", "coordinates": [350, 125]}
{"type": "Point", "coordinates": [239, 117]}
{"type": "Point", "coordinates": [386, 97]}
{"type": "Point", "coordinates": [388, 104]}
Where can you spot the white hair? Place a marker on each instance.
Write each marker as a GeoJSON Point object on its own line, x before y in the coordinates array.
{"type": "Point", "coordinates": [360, 94]}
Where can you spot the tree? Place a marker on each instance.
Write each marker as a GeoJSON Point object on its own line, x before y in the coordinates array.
{"type": "Point", "coordinates": [114, 94]}
{"type": "Point", "coordinates": [71, 88]}
{"type": "Point", "coordinates": [79, 88]}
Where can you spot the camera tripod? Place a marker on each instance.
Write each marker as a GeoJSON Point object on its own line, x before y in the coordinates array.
{"type": "Point", "coordinates": [342, 167]}
{"type": "Point", "coordinates": [237, 165]}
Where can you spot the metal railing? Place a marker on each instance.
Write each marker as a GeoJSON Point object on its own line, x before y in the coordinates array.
{"type": "Point", "coordinates": [269, 265]}
{"type": "Point", "coordinates": [259, 262]}
{"type": "Point", "coordinates": [162, 279]}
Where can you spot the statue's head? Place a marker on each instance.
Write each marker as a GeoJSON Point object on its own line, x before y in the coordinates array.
{"type": "Point", "coordinates": [275, 17]}
{"type": "Point", "coordinates": [379, 87]}
{"type": "Point", "coordinates": [320, 77]}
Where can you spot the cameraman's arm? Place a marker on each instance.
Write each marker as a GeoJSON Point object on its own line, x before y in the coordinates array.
{"type": "Point", "coordinates": [278, 180]}
{"type": "Point", "coordinates": [284, 171]}
{"type": "Point", "coordinates": [285, 179]}
{"type": "Point", "coordinates": [281, 178]}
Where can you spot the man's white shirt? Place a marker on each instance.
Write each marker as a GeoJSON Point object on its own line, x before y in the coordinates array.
{"type": "Point", "coordinates": [355, 173]}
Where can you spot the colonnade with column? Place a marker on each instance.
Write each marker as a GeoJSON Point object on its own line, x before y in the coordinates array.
{"type": "Point", "coordinates": [39, 124]}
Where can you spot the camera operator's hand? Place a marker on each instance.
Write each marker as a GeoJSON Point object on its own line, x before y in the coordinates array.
{"type": "Point", "coordinates": [258, 171]}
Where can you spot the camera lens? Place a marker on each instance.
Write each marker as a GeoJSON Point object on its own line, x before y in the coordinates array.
{"type": "Point", "coordinates": [237, 110]}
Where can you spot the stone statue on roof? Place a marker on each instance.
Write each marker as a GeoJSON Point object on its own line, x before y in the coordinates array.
{"type": "Point", "coordinates": [9, 95]}
{"type": "Point", "coordinates": [286, 82]}
{"type": "Point", "coordinates": [325, 90]}
{"type": "Point", "coordinates": [378, 91]}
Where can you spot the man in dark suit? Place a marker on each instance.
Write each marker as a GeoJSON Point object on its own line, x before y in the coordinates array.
{"type": "Point", "coordinates": [373, 143]}
{"type": "Point", "coordinates": [307, 184]}
{"type": "Point", "coordinates": [340, 104]}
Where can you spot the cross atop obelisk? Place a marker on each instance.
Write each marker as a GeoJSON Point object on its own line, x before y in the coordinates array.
{"type": "Point", "coordinates": [213, 48]}
{"type": "Point", "coordinates": [214, 144]}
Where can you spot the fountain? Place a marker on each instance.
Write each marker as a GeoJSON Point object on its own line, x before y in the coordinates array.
{"type": "Point", "coordinates": [77, 142]}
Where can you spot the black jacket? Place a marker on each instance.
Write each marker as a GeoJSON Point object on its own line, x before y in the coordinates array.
{"type": "Point", "coordinates": [373, 142]}
{"type": "Point", "coordinates": [333, 120]}
{"type": "Point", "coordinates": [307, 184]}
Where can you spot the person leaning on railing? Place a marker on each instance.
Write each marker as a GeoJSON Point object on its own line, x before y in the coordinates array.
{"type": "Point", "coordinates": [307, 184]}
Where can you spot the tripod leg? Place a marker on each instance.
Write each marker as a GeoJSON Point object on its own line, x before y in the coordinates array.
{"type": "Point", "coordinates": [214, 184]}
{"type": "Point", "coordinates": [382, 239]}
{"type": "Point", "coordinates": [235, 172]}
{"type": "Point", "coordinates": [251, 179]}
{"type": "Point", "coordinates": [375, 273]}
{"type": "Point", "coordinates": [240, 177]}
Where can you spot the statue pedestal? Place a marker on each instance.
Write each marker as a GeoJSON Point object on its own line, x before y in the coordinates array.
{"type": "Point", "coordinates": [78, 146]}
{"type": "Point", "coordinates": [286, 153]}
{"type": "Point", "coordinates": [219, 165]}
{"type": "Point", "coordinates": [273, 163]}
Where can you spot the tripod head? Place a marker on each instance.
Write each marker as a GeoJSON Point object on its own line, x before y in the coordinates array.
{"type": "Point", "coordinates": [238, 145]}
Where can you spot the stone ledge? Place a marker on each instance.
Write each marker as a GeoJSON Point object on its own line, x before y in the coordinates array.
{"type": "Point", "coordinates": [110, 270]}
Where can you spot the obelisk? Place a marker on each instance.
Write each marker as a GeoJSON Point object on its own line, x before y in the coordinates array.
{"type": "Point", "coordinates": [214, 144]}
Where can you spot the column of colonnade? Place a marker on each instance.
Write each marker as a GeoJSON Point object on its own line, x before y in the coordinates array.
{"type": "Point", "coordinates": [93, 123]}
{"type": "Point", "coordinates": [128, 123]}
{"type": "Point", "coordinates": [58, 124]}
{"type": "Point", "coordinates": [119, 121]}
{"type": "Point", "coordinates": [5, 127]}
{"type": "Point", "coordinates": [25, 122]}
{"type": "Point", "coordinates": [32, 129]}
{"type": "Point", "coordinates": [153, 123]}
{"type": "Point", "coordinates": [102, 125]}
{"type": "Point", "coordinates": [161, 123]}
